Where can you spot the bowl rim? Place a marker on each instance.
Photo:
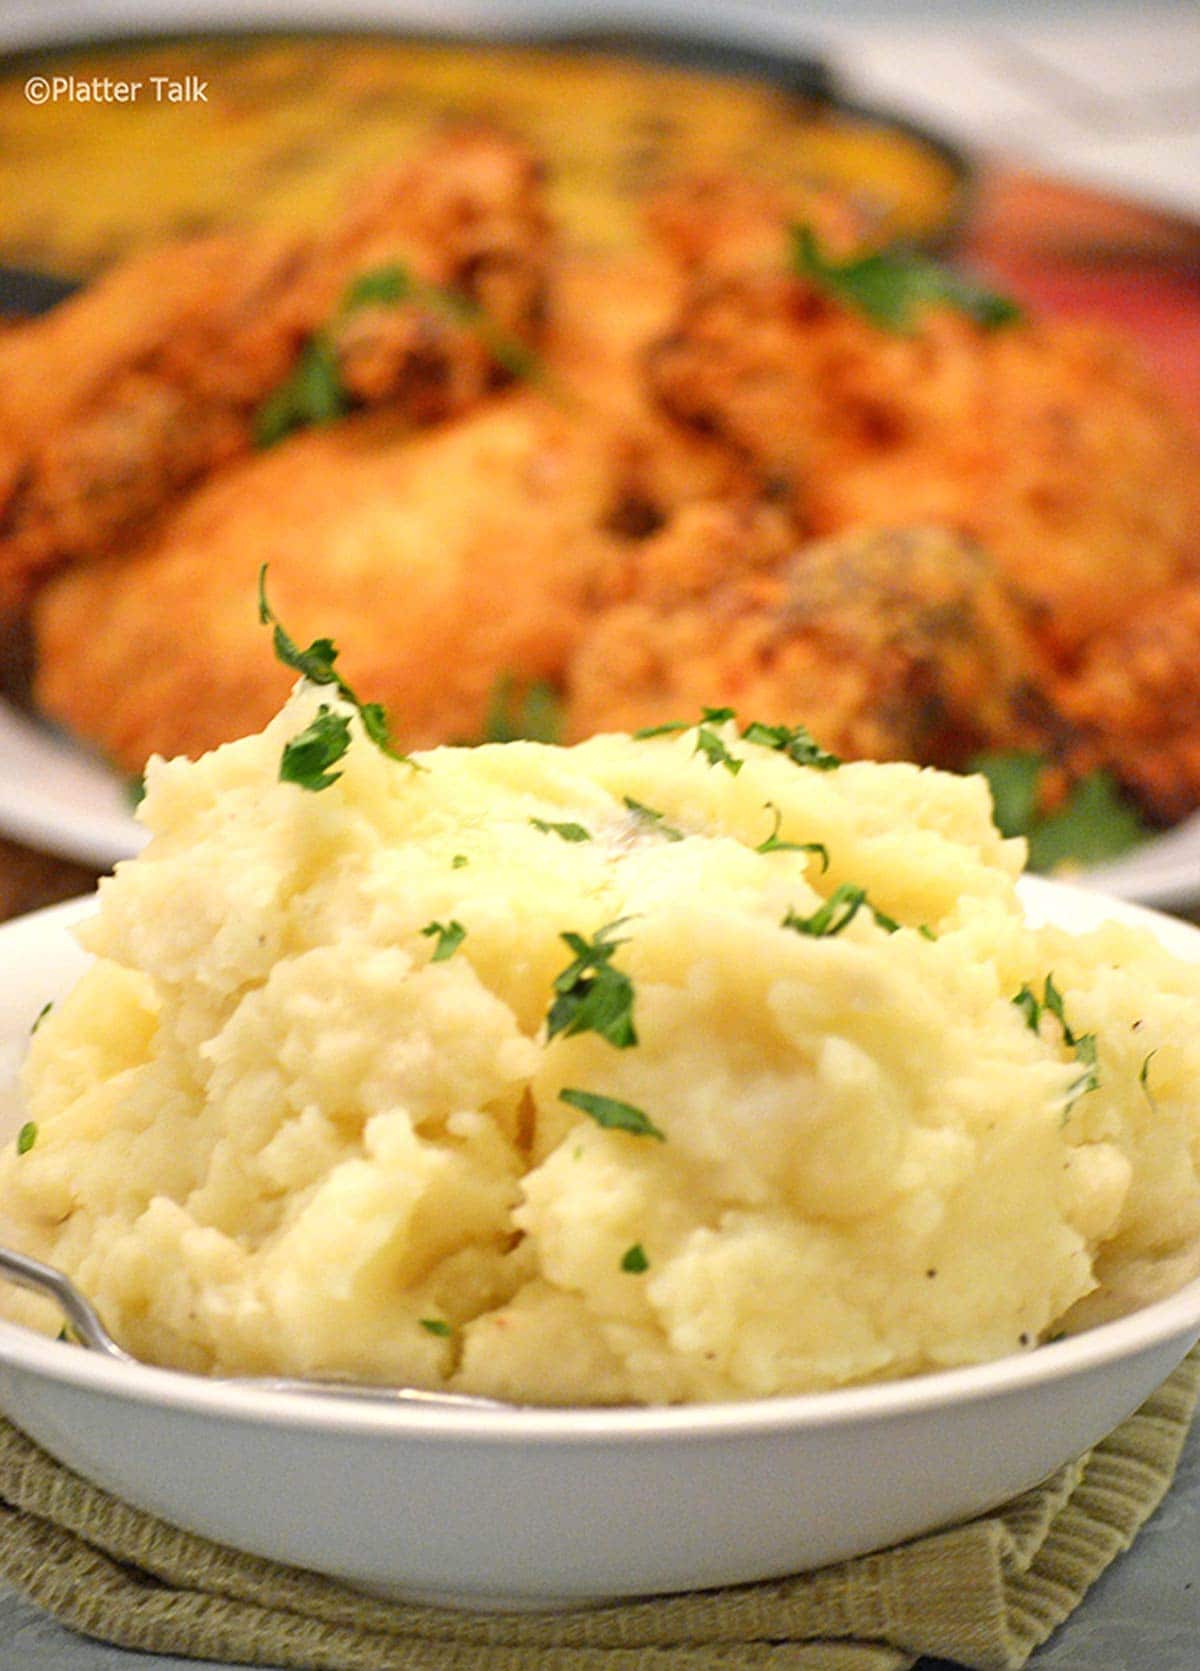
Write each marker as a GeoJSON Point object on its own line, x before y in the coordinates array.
{"type": "Point", "coordinates": [1173, 1320]}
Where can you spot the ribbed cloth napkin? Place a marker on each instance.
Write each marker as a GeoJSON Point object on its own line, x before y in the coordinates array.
{"type": "Point", "coordinates": [984, 1594]}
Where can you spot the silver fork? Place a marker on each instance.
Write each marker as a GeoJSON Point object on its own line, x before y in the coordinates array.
{"type": "Point", "coordinates": [91, 1333]}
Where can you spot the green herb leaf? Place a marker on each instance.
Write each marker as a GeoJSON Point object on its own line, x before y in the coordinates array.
{"type": "Point", "coordinates": [450, 937]}
{"type": "Point", "coordinates": [27, 1137]}
{"type": "Point", "coordinates": [1095, 823]}
{"type": "Point", "coordinates": [307, 757]}
{"type": "Point", "coordinates": [1082, 1044]}
{"type": "Point", "coordinates": [796, 741]}
{"type": "Point", "coordinates": [842, 906]}
{"type": "Point", "coordinates": [774, 845]}
{"type": "Point", "coordinates": [649, 815]}
{"type": "Point", "coordinates": [380, 287]}
{"type": "Point", "coordinates": [437, 1326]}
{"type": "Point", "coordinates": [664, 730]}
{"type": "Point", "coordinates": [592, 996]}
{"type": "Point", "coordinates": [892, 286]}
{"type": "Point", "coordinates": [611, 1113]}
{"type": "Point", "coordinates": [534, 715]}
{"type": "Point", "coordinates": [42, 1014]}
{"type": "Point", "coordinates": [312, 394]}
{"type": "Point", "coordinates": [634, 1260]}
{"type": "Point", "coordinates": [718, 716]}
{"type": "Point", "coordinates": [710, 745]}
{"type": "Point", "coordinates": [316, 664]}
{"type": "Point", "coordinates": [567, 831]}
{"type": "Point", "coordinates": [458, 861]}
{"type": "Point", "coordinates": [832, 916]}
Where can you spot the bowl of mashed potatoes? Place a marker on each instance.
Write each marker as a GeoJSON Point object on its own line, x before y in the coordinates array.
{"type": "Point", "coordinates": [796, 1176]}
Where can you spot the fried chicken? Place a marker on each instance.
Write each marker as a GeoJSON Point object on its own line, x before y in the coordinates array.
{"type": "Point", "coordinates": [153, 377]}
{"type": "Point", "coordinates": [901, 644]}
{"type": "Point", "coordinates": [440, 563]}
{"type": "Point", "coordinates": [1045, 443]}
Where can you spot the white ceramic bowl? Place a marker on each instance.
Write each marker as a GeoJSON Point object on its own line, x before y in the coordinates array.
{"type": "Point", "coordinates": [529, 1508]}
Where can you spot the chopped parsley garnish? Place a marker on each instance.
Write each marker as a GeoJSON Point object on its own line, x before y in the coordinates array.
{"type": "Point", "coordinates": [891, 286]}
{"type": "Point", "coordinates": [308, 756]}
{"type": "Point", "coordinates": [710, 745]}
{"type": "Point", "coordinates": [650, 815]}
{"type": "Point", "coordinates": [1144, 1078]}
{"type": "Point", "coordinates": [1082, 1044]}
{"type": "Point", "coordinates": [534, 715]}
{"type": "Point", "coordinates": [796, 741]}
{"type": "Point", "coordinates": [458, 861]}
{"type": "Point", "coordinates": [437, 1326]}
{"type": "Point", "coordinates": [590, 995]}
{"type": "Point", "coordinates": [773, 844]}
{"type": "Point", "coordinates": [664, 730]}
{"type": "Point", "coordinates": [27, 1137]}
{"type": "Point", "coordinates": [450, 937]}
{"type": "Point", "coordinates": [611, 1113]}
{"type": "Point", "coordinates": [1094, 824]}
{"type": "Point", "coordinates": [42, 1014]}
{"type": "Point", "coordinates": [567, 831]}
{"type": "Point", "coordinates": [634, 1260]}
{"type": "Point", "coordinates": [842, 906]}
{"type": "Point", "coordinates": [314, 392]}
{"type": "Point", "coordinates": [306, 759]}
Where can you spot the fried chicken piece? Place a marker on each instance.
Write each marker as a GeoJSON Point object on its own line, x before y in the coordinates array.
{"type": "Point", "coordinates": [153, 377]}
{"type": "Point", "coordinates": [721, 223]}
{"type": "Point", "coordinates": [438, 562]}
{"type": "Point", "coordinates": [894, 644]}
{"type": "Point", "coordinates": [1045, 443]}
{"type": "Point", "coordinates": [1135, 701]}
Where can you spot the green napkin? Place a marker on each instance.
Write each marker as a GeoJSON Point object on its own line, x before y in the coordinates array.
{"type": "Point", "coordinates": [984, 1594]}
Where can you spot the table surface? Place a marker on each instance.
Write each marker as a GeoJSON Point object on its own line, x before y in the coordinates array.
{"type": "Point", "coordinates": [1129, 119]}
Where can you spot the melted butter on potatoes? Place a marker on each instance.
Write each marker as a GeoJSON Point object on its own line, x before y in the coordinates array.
{"type": "Point", "coordinates": [304, 1113]}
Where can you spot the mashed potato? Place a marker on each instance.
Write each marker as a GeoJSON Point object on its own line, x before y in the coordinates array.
{"type": "Point", "coordinates": [662, 1069]}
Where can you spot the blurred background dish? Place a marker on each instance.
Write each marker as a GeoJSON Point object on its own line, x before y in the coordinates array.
{"type": "Point", "coordinates": [293, 119]}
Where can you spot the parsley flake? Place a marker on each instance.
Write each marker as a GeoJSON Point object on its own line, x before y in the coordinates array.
{"type": "Point", "coordinates": [634, 1260]}
{"type": "Point", "coordinates": [311, 395]}
{"type": "Point", "coordinates": [27, 1137]}
{"type": "Point", "coordinates": [1082, 1044]}
{"type": "Point", "coordinates": [773, 844]}
{"type": "Point", "coordinates": [42, 1014]}
{"type": "Point", "coordinates": [710, 745]}
{"type": "Point", "coordinates": [590, 995]}
{"type": "Point", "coordinates": [306, 759]}
{"type": "Point", "coordinates": [534, 715]}
{"type": "Point", "coordinates": [842, 906]}
{"type": "Point", "coordinates": [317, 665]}
{"type": "Point", "coordinates": [437, 1326]}
{"type": "Point", "coordinates": [450, 937]}
{"type": "Point", "coordinates": [611, 1113]}
{"type": "Point", "coordinates": [890, 287]}
{"type": "Point", "coordinates": [566, 831]}
{"type": "Point", "coordinates": [664, 730]}
{"type": "Point", "coordinates": [1094, 823]}
{"type": "Point", "coordinates": [458, 861]}
{"type": "Point", "coordinates": [650, 815]}
{"type": "Point", "coordinates": [796, 741]}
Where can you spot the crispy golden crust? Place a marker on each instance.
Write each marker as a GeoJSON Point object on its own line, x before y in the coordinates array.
{"type": "Point", "coordinates": [140, 387]}
{"type": "Point", "coordinates": [1045, 443]}
{"type": "Point", "coordinates": [436, 562]}
{"type": "Point", "coordinates": [1135, 701]}
{"type": "Point", "coordinates": [894, 645]}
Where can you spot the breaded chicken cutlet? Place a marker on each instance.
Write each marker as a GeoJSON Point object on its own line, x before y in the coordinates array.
{"type": "Point", "coordinates": [717, 481]}
{"type": "Point", "coordinates": [901, 644]}
{"type": "Point", "coordinates": [440, 564]}
{"type": "Point", "coordinates": [158, 374]}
